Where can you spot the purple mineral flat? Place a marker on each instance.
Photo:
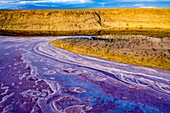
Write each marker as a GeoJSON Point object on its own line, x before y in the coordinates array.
{"type": "Point", "coordinates": [36, 77]}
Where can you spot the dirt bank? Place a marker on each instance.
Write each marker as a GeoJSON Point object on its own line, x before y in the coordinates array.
{"type": "Point", "coordinates": [153, 22]}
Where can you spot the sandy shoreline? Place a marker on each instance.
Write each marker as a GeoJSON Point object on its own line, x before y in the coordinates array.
{"type": "Point", "coordinates": [155, 33]}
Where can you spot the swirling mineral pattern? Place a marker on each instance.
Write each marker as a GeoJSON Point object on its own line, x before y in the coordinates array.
{"type": "Point", "coordinates": [36, 77]}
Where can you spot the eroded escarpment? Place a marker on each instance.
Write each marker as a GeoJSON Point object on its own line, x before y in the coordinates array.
{"type": "Point", "coordinates": [153, 22]}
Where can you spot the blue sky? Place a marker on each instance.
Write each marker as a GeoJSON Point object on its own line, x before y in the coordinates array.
{"type": "Point", "coordinates": [76, 4]}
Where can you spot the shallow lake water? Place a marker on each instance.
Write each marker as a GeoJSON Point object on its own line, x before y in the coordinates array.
{"type": "Point", "coordinates": [36, 77]}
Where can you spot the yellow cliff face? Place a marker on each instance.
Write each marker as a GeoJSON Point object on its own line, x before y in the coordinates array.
{"type": "Point", "coordinates": [89, 19]}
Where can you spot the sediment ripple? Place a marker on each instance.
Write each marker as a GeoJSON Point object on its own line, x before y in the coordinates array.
{"type": "Point", "coordinates": [37, 77]}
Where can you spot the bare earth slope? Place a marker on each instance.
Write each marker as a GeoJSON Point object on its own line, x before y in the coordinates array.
{"type": "Point", "coordinates": [85, 22]}
{"type": "Point", "coordinates": [131, 49]}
